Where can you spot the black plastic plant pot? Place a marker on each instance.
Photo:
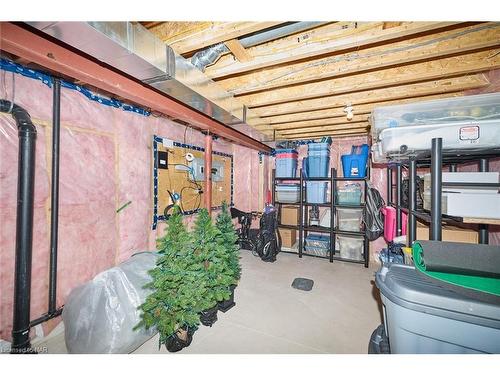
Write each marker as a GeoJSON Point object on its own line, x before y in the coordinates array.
{"type": "Point", "coordinates": [209, 317]}
{"type": "Point", "coordinates": [224, 306]}
{"type": "Point", "coordinates": [175, 343]}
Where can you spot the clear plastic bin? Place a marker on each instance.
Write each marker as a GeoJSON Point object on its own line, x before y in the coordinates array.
{"type": "Point", "coordinates": [319, 241]}
{"type": "Point", "coordinates": [470, 108]}
{"type": "Point", "coordinates": [288, 193]}
{"type": "Point", "coordinates": [349, 194]}
{"type": "Point", "coordinates": [286, 167]}
{"type": "Point", "coordinates": [318, 251]}
{"type": "Point", "coordinates": [349, 219]}
{"type": "Point", "coordinates": [350, 247]}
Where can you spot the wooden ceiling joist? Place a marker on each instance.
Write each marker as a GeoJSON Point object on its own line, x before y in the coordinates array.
{"type": "Point", "coordinates": [238, 51]}
{"type": "Point", "coordinates": [343, 126]}
{"type": "Point", "coordinates": [427, 71]}
{"type": "Point", "coordinates": [336, 112]}
{"type": "Point", "coordinates": [287, 50]}
{"type": "Point", "coordinates": [322, 134]}
{"type": "Point", "coordinates": [206, 36]}
{"type": "Point", "coordinates": [439, 45]}
{"type": "Point", "coordinates": [316, 123]}
{"type": "Point", "coordinates": [449, 85]}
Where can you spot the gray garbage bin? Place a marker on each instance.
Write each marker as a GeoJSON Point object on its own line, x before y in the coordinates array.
{"type": "Point", "coordinates": [422, 317]}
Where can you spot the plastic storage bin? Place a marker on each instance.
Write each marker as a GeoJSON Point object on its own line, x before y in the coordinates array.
{"type": "Point", "coordinates": [316, 191]}
{"type": "Point", "coordinates": [287, 193]}
{"type": "Point", "coordinates": [286, 163]}
{"type": "Point", "coordinates": [316, 164]}
{"type": "Point", "coordinates": [354, 164]}
{"type": "Point", "coordinates": [468, 122]}
{"type": "Point", "coordinates": [390, 223]}
{"type": "Point", "coordinates": [472, 108]}
{"type": "Point", "coordinates": [350, 247]}
{"type": "Point", "coordinates": [423, 318]}
{"type": "Point", "coordinates": [349, 219]}
{"type": "Point", "coordinates": [325, 146]}
{"type": "Point", "coordinates": [349, 194]}
{"type": "Point", "coordinates": [318, 240]}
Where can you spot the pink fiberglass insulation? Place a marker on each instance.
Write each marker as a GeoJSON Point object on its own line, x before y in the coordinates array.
{"type": "Point", "coordinates": [105, 162]}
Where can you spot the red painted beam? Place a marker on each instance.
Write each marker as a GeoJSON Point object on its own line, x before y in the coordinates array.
{"type": "Point", "coordinates": [37, 49]}
{"type": "Point", "coordinates": [208, 173]}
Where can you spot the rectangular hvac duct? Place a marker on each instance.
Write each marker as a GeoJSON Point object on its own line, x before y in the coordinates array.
{"type": "Point", "coordinates": [134, 50]}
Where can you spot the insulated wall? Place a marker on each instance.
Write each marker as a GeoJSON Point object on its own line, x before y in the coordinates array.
{"type": "Point", "coordinates": [105, 162]}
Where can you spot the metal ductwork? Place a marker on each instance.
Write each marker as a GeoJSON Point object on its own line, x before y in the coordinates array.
{"type": "Point", "coordinates": [210, 55]}
{"type": "Point", "coordinates": [136, 51]}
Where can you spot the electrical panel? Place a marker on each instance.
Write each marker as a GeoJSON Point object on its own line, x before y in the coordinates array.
{"type": "Point", "coordinates": [198, 170]}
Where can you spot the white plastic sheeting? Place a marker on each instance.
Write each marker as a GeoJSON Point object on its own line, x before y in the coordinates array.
{"type": "Point", "coordinates": [99, 316]}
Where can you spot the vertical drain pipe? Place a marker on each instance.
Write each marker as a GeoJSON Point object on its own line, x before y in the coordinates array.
{"type": "Point", "coordinates": [54, 204]}
{"type": "Point", "coordinates": [208, 172]}
{"type": "Point", "coordinates": [24, 225]}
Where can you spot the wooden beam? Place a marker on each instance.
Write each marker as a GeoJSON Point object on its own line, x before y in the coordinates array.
{"type": "Point", "coordinates": [336, 112]}
{"type": "Point", "coordinates": [322, 134]}
{"type": "Point", "coordinates": [343, 126]}
{"type": "Point", "coordinates": [47, 53]}
{"type": "Point", "coordinates": [389, 25]}
{"type": "Point", "coordinates": [316, 123]}
{"type": "Point", "coordinates": [439, 45]}
{"type": "Point", "coordinates": [427, 71]}
{"type": "Point", "coordinates": [449, 85]}
{"type": "Point", "coordinates": [287, 50]}
{"type": "Point", "coordinates": [216, 33]}
{"type": "Point", "coordinates": [239, 52]}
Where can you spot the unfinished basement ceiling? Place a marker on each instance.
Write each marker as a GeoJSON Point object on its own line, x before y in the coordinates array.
{"type": "Point", "coordinates": [299, 85]}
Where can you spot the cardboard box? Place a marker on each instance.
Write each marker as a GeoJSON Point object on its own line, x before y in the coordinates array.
{"type": "Point", "coordinates": [288, 237]}
{"type": "Point", "coordinates": [450, 233]}
{"type": "Point", "coordinates": [289, 215]}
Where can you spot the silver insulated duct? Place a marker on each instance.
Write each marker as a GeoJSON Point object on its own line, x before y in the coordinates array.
{"type": "Point", "coordinates": [136, 51]}
{"type": "Point", "coordinates": [210, 55]}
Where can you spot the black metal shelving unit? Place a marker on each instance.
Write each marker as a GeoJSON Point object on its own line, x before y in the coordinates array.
{"type": "Point", "coordinates": [436, 159]}
{"type": "Point", "coordinates": [303, 205]}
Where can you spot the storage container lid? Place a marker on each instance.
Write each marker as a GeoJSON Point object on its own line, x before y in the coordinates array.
{"type": "Point", "coordinates": [406, 287]}
{"type": "Point", "coordinates": [287, 187]}
{"type": "Point", "coordinates": [286, 151]}
{"type": "Point", "coordinates": [319, 146]}
{"type": "Point", "coordinates": [318, 237]}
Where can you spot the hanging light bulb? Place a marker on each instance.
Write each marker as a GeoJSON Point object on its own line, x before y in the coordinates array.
{"type": "Point", "coordinates": [348, 110]}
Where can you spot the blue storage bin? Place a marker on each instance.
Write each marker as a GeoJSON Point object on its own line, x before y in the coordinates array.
{"type": "Point", "coordinates": [316, 191]}
{"type": "Point", "coordinates": [354, 164]}
{"type": "Point", "coordinates": [286, 167]}
{"type": "Point", "coordinates": [318, 241]}
{"type": "Point", "coordinates": [286, 151]}
{"type": "Point", "coordinates": [319, 147]}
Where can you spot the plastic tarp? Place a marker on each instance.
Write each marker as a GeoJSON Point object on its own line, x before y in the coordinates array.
{"type": "Point", "coordinates": [99, 316]}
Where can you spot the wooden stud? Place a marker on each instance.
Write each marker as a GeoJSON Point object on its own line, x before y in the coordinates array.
{"type": "Point", "coordinates": [317, 123]}
{"type": "Point", "coordinates": [287, 50]}
{"type": "Point", "coordinates": [449, 85]}
{"type": "Point", "coordinates": [336, 112]}
{"type": "Point", "coordinates": [323, 134]}
{"type": "Point", "coordinates": [240, 53]}
{"type": "Point", "coordinates": [444, 44]}
{"type": "Point", "coordinates": [216, 33]}
{"type": "Point", "coordinates": [427, 71]}
{"type": "Point", "coordinates": [343, 126]}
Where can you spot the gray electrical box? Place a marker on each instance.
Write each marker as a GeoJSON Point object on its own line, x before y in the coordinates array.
{"type": "Point", "coordinates": [198, 165]}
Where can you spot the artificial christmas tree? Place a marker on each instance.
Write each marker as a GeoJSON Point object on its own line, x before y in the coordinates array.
{"type": "Point", "coordinates": [227, 237]}
{"type": "Point", "coordinates": [177, 291]}
{"type": "Point", "coordinates": [213, 258]}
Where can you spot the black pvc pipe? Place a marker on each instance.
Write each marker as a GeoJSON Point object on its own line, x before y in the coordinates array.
{"type": "Point", "coordinates": [484, 166]}
{"type": "Point", "coordinates": [436, 188]}
{"type": "Point", "coordinates": [24, 225]}
{"type": "Point", "coordinates": [412, 206]}
{"type": "Point", "coordinates": [54, 204]}
{"type": "Point", "coordinates": [389, 185]}
{"type": "Point", "coordinates": [399, 195]}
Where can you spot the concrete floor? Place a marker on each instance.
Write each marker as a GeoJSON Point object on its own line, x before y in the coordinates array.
{"type": "Point", "coordinates": [271, 317]}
